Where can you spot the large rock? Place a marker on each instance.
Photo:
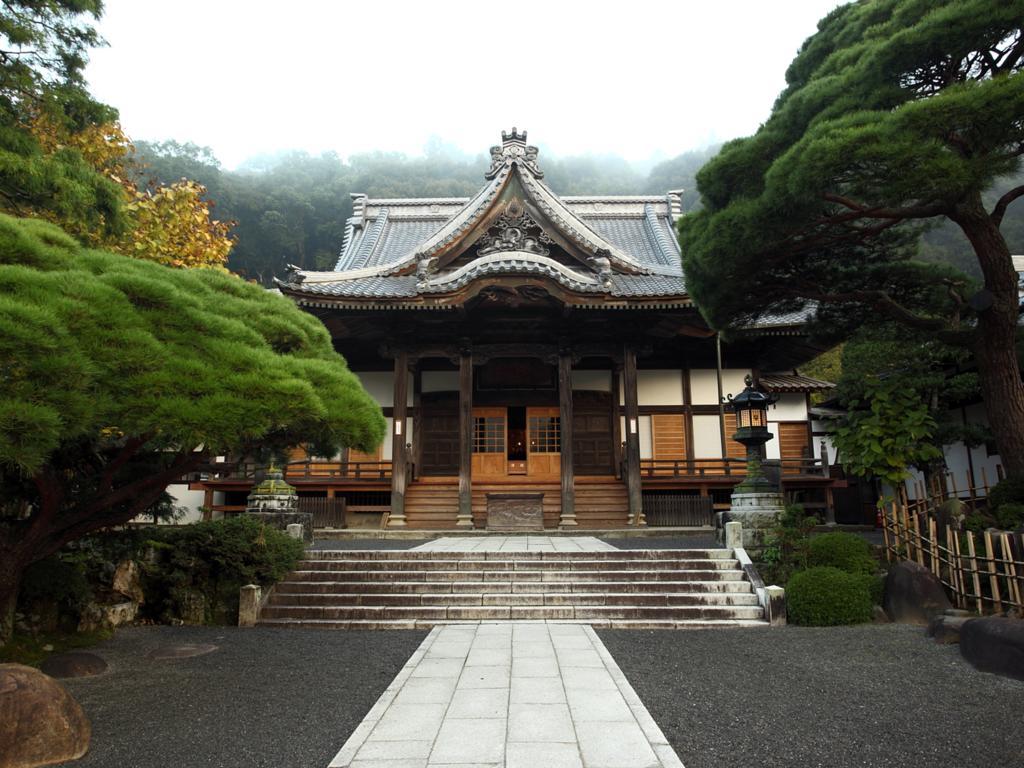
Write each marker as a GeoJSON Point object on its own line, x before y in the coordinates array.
{"type": "Point", "coordinates": [128, 581]}
{"type": "Point", "coordinates": [994, 644]}
{"type": "Point", "coordinates": [945, 630]}
{"type": "Point", "coordinates": [73, 664]}
{"type": "Point", "coordinates": [913, 595]}
{"type": "Point", "coordinates": [95, 616]}
{"type": "Point", "coordinates": [40, 724]}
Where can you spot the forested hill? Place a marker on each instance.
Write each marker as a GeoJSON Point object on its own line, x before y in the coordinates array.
{"type": "Point", "coordinates": [291, 208]}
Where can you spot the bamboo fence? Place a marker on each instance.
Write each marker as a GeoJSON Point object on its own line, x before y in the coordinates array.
{"type": "Point", "coordinates": [983, 572]}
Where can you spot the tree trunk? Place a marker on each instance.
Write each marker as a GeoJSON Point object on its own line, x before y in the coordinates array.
{"type": "Point", "coordinates": [994, 346]}
{"type": "Point", "coordinates": [11, 571]}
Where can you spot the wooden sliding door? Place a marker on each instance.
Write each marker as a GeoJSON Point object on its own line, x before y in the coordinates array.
{"type": "Point", "coordinates": [490, 442]}
{"type": "Point", "coordinates": [544, 443]}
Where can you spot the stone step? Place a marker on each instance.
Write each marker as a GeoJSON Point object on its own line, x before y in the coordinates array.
{"type": "Point", "coordinates": [511, 613]}
{"type": "Point", "coordinates": [616, 554]}
{"type": "Point", "coordinates": [424, 624]}
{"type": "Point", "coordinates": [522, 599]}
{"type": "Point", "coordinates": [519, 576]}
{"type": "Point", "coordinates": [516, 565]}
{"type": "Point", "coordinates": [496, 587]}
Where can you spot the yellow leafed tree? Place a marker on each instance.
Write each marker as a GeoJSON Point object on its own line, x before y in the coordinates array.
{"type": "Point", "coordinates": [169, 223]}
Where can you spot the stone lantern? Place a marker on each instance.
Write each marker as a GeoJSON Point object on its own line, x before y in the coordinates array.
{"type": "Point", "coordinates": [756, 502]}
{"type": "Point", "coordinates": [751, 409]}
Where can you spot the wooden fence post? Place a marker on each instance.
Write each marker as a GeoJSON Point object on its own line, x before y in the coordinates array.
{"type": "Point", "coordinates": [993, 579]}
{"type": "Point", "coordinates": [975, 580]}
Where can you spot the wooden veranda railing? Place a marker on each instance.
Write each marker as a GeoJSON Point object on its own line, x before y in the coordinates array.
{"type": "Point", "coordinates": [982, 571]}
{"type": "Point", "coordinates": [369, 471]}
{"type": "Point", "coordinates": [729, 467]}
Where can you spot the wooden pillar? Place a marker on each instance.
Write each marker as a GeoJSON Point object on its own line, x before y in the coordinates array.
{"type": "Point", "coordinates": [465, 513]}
{"type": "Point", "coordinates": [207, 505]}
{"type": "Point", "coordinates": [417, 417]}
{"type": "Point", "coordinates": [399, 457]}
{"type": "Point", "coordinates": [636, 511]}
{"type": "Point", "coordinates": [567, 518]}
{"type": "Point", "coordinates": [616, 421]}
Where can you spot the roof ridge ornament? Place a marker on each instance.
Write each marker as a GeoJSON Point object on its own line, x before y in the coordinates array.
{"type": "Point", "coordinates": [514, 151]}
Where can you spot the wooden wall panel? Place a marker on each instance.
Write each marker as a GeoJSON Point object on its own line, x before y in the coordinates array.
{"type": "Point", "coordinates": [668, 435]}
{"type": "Point", "coordinates": [733, 449]}
{"type": "Point", "coordinates": [793, 440]}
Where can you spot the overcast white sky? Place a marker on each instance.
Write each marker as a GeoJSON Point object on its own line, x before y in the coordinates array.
{"type": "Point", "coordinates": [643, 80]}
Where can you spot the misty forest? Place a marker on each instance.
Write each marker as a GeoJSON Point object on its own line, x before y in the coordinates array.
{"type": "Point", "coordinates": [291, 207]}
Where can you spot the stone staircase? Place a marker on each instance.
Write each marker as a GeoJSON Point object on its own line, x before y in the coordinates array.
{"type": "Point", "coordinates": [644, 589]}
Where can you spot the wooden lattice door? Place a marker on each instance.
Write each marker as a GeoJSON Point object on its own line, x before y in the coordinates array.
{"type": "Point", "coordinates": [543, 442]}
{"type": "Point", "coordinates": [490, 442]}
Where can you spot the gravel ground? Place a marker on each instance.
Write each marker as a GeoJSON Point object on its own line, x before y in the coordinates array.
{"type": "Point", "coordinates": [264, 699]}
{"type": "Point", "coordinates": [872, 695]}
{"type": "Point", "coordinates": [367, 543]}
{"type": "Point", "coordinates": [687, 541]}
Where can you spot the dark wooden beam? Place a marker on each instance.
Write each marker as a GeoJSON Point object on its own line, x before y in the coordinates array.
{"type": "Point", "coordinates": [636, 512]}
{"type": "Point", "coordinates": [567, 518]}
{"type": "Point", "coordinates": [465, 513]}
{"type": "Point", "coordinates": [417, 417]}
{"type": "Point", "coordinates": [617, 419]}
{"type": "Point", "coordinates": [399, 455]}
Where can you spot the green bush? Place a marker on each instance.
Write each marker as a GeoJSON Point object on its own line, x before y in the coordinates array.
{"type": "Point", "coordinates": [845, 551]}
{"type": "Point", "coordinates": [199, 568]}
{"type": "Point", "coordinates": [825, 597]}
{"type": "Point", "coordinates": [875, 586]}
{"type": "Point", "coordinates": [1009, 515]}
{"type": "Point", "coordinates": [1009, 490]}
{"type": "Point", "coordinates": [787, 546]}
{"type": "Point", "coordinates": [54, 582]}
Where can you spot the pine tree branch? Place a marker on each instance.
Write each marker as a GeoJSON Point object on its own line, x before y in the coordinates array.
{"type": "Point", "coordinates": [1004, 202]}
{"type": "Point", "coordinates": [859, 210]}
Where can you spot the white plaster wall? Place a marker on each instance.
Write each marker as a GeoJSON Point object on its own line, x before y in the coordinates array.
{"type": "Point", "coordinates": [659, 387]}
{"type": "Point", "coordinates": [387, 448]}
{"type": "Point", "coordinates": [792, 406]}
{"type": "Point", "coordinates": [600, 381]}
{"type": "Point", "coordinates": [380, 385]}
{"type": "Point", "coordinates": [646, 436]}
{"type": "Point", "coordinates": [439, 381]}
{"type": "Point", "coordinates": [816, 441]}
{"type": "Point", "coordinates": [772, 447]}
{"type": "Point", "coordinates": [704, 385]}
{"type": "Point", "coordinates": [192, 501]}
{"type": "Point", "coordinates": [707, 438]}
{"type": "Point", "coordinates": [655, 387]}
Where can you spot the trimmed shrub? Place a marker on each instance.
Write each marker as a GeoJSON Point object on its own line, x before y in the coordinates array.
{"type": "Point", "coordinates": [845, 551]}
{"type": "Point", "coordinates": [826, 597]}
{"type": "Point", "coordinates": [875, 586]}
{"type": "Point", "coordinates": [1009, 490]}
{"type": "Point", "coordinates": [1010, 515]}
{"type": "Point", "coordinates": [199, 568]}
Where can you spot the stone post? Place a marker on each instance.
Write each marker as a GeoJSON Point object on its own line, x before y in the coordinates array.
{"type": "Point", "coordinates": [775, 605]}
{"type": "Point", "coordinates": [249, 605]}
{"type": "Point", "coordinates": [733, 535]}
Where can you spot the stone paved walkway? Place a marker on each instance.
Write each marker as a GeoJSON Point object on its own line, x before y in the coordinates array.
{"type": "Point", "coordinates": [509, 695]}
{"type": "Point", "coordinates": [516, 544]}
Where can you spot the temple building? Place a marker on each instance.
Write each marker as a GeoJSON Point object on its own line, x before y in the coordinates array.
{"type": "Point", "coordinates": [540, 364]}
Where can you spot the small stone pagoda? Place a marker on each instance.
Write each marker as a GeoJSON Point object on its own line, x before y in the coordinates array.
{"type": "Point", "coordinates": [276, 504]}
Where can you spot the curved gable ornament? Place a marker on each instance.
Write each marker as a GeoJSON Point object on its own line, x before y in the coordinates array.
{"type": "Point", "coordinates": [513, 151]}
{"type": "Point", "coordinates": [515, 230]}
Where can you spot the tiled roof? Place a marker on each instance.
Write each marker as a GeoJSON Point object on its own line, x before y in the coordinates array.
{"type": "Point", "coordinates": [620, 246]}
{"type": "Point", "coordinates": [792, 382]}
